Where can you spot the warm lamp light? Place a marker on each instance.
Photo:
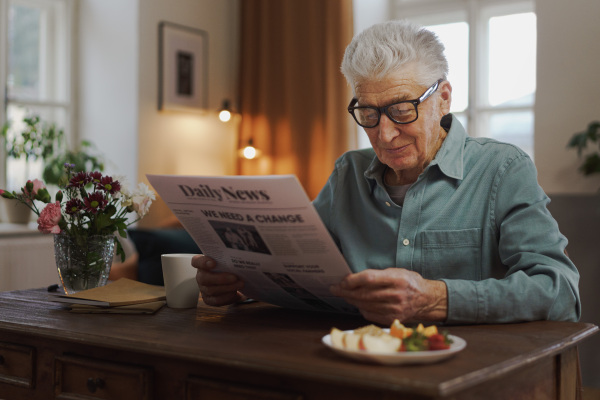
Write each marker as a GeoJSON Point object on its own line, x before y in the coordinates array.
{"type": "Point", "coordinates": [225, 113]}
{"type": "Point", "coordinates": [249, 152]}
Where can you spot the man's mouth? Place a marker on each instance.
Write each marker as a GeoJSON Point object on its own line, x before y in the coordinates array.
{"type": "Point", "coordinates": [397, 150]}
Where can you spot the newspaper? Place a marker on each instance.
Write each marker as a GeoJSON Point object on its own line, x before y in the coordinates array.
{"type": "Point", "coordinates": [263, 229]}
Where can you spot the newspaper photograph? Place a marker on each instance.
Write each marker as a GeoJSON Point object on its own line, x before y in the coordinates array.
{"type": "Point", "coordinates": [263, 229]}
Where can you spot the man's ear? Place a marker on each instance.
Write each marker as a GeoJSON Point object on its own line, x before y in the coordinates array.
{"type": "Point", "coordinates": [445, 90]}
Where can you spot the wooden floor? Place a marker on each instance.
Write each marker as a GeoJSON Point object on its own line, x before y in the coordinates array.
{"type": "Point", "coordinates": [590, 393]}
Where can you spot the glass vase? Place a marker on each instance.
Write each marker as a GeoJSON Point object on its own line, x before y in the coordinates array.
{"type": "Point", "coordinates": [83, 262]}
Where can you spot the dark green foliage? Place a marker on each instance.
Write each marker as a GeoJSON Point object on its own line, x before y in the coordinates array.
{"type": "Point", "coordinates": [580, 141]}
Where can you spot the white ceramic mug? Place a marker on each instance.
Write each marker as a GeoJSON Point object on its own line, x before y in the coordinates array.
{"type": "Point", "coordinates": [181, 288]}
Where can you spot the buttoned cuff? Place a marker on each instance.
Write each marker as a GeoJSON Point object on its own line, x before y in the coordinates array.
{"type": "Point", "coordinates": [465, 306]}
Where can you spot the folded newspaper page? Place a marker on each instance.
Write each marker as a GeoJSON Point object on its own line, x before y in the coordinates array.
{"type": "Point", "coordinates": [263, 229]}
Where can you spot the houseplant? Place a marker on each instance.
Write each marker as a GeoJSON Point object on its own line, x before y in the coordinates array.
{"type": "Point", "coordinates": [84, 217]}
{"type": "Point", "coordinates": [580, 141]}
{"type": "Point", "coordinates": [38, 140]}
{"type": "Point", "coordinates": [31, 143]}
{"type": "Point", "coordinates": [34, 141]}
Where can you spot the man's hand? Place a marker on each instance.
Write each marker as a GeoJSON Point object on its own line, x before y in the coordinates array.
{"type": "Point", "coordinates": [394, 293]}
{"type": "Point", "coordinates": [217, 288]}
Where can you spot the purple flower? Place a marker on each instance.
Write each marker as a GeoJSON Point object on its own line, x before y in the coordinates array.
{"type": "Point", "coordinates": [95, 202]}
{"type": "Point", "coordinates": [73, 206]}
{"type": "Point", "coordinates": [79, 180]}
{"type": "Point", "coordinates": [108, 185]}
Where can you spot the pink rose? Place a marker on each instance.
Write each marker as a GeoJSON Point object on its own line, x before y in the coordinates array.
{"type": "Point", "coordinates": [49, 218]}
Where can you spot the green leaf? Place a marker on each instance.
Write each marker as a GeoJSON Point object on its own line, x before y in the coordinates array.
{"type": "Point", "coordinates": [593, 131]}
{"type": "Point", "coordinates": [578, 141]}
{"type": "Point", "coordinates": [110, 210]}
{"type": "Point", "coordinates": [591, 164]}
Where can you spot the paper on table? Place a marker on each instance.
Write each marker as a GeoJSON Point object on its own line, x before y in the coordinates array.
{"type": "Point", "coordinates": [118, 293]}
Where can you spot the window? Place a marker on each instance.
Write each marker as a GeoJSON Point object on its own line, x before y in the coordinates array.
{"type": "Point", "coordinates": [36, 42]}
{"type": "Point", "coordinates": [491, 51]}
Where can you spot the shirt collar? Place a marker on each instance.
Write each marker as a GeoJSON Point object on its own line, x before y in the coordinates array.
{"type": "Point", "coordinates": [449, 157]}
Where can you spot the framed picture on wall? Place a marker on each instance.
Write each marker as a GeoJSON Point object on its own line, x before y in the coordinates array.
{"type": "Point", "coordinates": [183, 68]}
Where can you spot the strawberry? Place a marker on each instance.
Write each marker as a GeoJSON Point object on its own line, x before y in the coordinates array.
{"type": "Point", "coordinates": [438, 342]}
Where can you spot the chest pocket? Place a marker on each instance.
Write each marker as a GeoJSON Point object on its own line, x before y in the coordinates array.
{"type": "Point", "coordinates": [453, 254]}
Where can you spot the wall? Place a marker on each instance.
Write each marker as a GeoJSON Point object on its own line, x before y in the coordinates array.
{"type": "Point", "coordinates": [369, 12]}
{"type": "Point", "coordinates": [108, 84]}
{"type": "Point", "coordinates": [567, 97]}
{"type": "Point", "coordinates": [118, 90]}
{"type": "Point", "coordinates": [179, 143]}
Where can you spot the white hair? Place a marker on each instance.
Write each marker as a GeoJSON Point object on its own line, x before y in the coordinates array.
{"type": "Point", "coordinates": [389, 46]}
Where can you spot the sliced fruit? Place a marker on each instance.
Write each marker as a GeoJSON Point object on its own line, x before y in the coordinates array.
{"type": "Point", "coordinates": [438, 342]}
{"type": "Point", "coordinates": [352, 341]}
{"type": "Point", "coordinates": [400, 331]}
{"type": "Point", "coordinates": [337, 338]}
{"type": "Point", "coordinates": [373, 330]}
{"type": "Point", "coordinates": [381, 344]}
{"type": "Point", "coordinates": [430, 330]}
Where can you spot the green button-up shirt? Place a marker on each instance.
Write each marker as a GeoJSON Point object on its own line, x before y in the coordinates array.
{"type": "Point", "coordinates": [476, 219]}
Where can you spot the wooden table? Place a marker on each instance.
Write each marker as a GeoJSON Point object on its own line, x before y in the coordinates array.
{"type": "Point", "coordinates": [258, 351]}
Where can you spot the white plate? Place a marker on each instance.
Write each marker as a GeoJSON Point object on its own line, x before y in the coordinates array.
{"type": "Point", "coordinates": [405, 357]}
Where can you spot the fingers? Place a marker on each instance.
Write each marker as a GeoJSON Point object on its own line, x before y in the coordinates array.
{"type": "Point", "coordinates": [383, 295]}
{"type": "Point", "coordinates": [216, 288]}
{"type": "Point", "coordinates": [201, 261]}
{"type": "Point", "coordinates": [380, 295]}
{"type": "Point", "coordinates": [362, 284]}
{"type": "Point", "coordinates": [371, 278]}
{"type": "Point", "coordinates": [369, 295]}
{"type": "Point", "coordinates": [216, 283]}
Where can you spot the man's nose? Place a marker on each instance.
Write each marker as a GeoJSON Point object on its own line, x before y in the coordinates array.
{"type": "Point", "coordinates": [387, 129]}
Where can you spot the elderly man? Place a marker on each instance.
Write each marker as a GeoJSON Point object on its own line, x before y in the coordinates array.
{"type": "Point", "coordinates": [436, 225]}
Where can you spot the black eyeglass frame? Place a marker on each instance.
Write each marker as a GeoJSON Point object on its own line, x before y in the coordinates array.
{"type": "Point", "coordinates": [380, 110]}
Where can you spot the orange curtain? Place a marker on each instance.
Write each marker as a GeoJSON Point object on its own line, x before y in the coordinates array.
{"type": "Point", "coordinates": [293, 96]}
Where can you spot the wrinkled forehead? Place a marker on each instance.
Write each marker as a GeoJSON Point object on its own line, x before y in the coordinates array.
{"type": "Point", "coordinates": [396, 86]}
{"type": "Point", "coordinates": [408, 74]}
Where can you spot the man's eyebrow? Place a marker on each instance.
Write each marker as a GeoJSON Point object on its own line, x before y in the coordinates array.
{"type": "Point", "coordinates": [395, 99]}
{"type": "Point", "coordinates": [398, 98]}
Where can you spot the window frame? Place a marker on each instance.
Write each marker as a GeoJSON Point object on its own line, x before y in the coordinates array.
{"type": "Point", "coordinates": [60, 21]}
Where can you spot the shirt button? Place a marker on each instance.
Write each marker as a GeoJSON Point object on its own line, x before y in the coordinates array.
{"type": "Point", "coordinates": [406, 242]}
{"type": "Point", "coordinates": [387, 203]}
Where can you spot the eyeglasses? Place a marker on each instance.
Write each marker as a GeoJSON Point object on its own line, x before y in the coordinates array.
{"type": "Point", "coordinates": [403, 112]}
